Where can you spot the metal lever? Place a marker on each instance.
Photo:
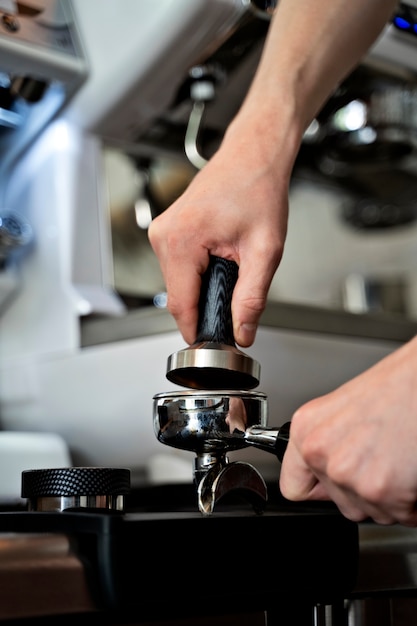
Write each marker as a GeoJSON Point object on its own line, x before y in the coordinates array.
{"type": "Point", "coordinates": [192, 136]}
{"type": "Point", "coordinates": [202, 90]}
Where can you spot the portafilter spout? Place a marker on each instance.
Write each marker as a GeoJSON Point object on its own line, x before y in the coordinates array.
{"type": "Point", "coordinates": [214, 361]}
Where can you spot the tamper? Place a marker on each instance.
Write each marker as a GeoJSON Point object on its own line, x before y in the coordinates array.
{"type": "Point", "coordinates": [214, 361]}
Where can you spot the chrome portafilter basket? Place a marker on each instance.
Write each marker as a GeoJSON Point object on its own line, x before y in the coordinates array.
{"type": "Point", "coordinates": [213, 423]}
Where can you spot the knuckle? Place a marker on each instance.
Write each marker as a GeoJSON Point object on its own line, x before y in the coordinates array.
{"type": "Point", "coordinates": [255, 303]}
{"type": "Point", "coordinates": [376, 489]}
{"type": "Point", "coordinates": [351, 512]}
{"type": "Point", "coordinates": [314, 451]}
{"type": "Point", "coordinates": [302, 419]}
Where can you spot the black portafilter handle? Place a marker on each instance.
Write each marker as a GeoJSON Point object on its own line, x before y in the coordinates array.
{"type": "Point", "coordinates": [274, 440]}
{"type": "Point", "coordinates": [214, 361]}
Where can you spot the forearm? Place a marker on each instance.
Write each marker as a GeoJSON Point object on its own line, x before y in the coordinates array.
{"type": "Point", "coordinates": [237, 206]}
{"type": "Point", "coordinates": [311, 46]}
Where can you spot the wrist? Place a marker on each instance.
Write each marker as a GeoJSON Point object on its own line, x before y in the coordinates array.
{"type": "Point", "coordinates": [268, 134]}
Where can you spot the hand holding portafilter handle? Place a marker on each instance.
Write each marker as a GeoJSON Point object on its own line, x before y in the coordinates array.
{"type": "Point", "coordinates": [214, 361]}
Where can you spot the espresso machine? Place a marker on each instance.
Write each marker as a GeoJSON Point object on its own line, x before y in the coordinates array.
{"type": "Point", "coordinates": [58, 373]}
{"type": "Point", "coordinates": [56, 269]}
{"type": "Point", "coordinates": [75, 76]}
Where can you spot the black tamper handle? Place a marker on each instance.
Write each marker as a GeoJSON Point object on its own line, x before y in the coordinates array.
{"type": "Point", "coordinates": [214, 361]}
{"type": "Point", "coordinates": [215, 314]}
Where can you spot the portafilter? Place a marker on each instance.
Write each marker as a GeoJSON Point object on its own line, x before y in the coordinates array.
{"type": "Point", "coordinates": [212, 423]}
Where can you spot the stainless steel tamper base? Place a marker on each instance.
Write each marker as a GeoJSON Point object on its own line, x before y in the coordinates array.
{"type": "Point", "coordinates": [210, 365]}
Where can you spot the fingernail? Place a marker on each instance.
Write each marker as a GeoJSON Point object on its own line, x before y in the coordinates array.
{"type": "Point", "coordinates": [246, 334]}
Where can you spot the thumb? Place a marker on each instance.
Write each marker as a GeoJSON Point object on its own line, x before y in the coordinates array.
{"type": "Point", "coordinates": [249, 301]}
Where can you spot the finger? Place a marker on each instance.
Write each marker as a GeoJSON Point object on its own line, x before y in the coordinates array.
{"type": "Point", "coordinates": [297, 482]}
{"type": "Point", "coordinates": [355, 508]}
{"type": "Point", "coordinates": [408, 519]}
{"type": "Point", "coordinates": [250, 296]}
{"type": "Point", "coordinates": [310, 488]}
{"type": "Point", "coordinates": [182, 264]}
{"type": "Point", "coordinates": [183, 284]}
